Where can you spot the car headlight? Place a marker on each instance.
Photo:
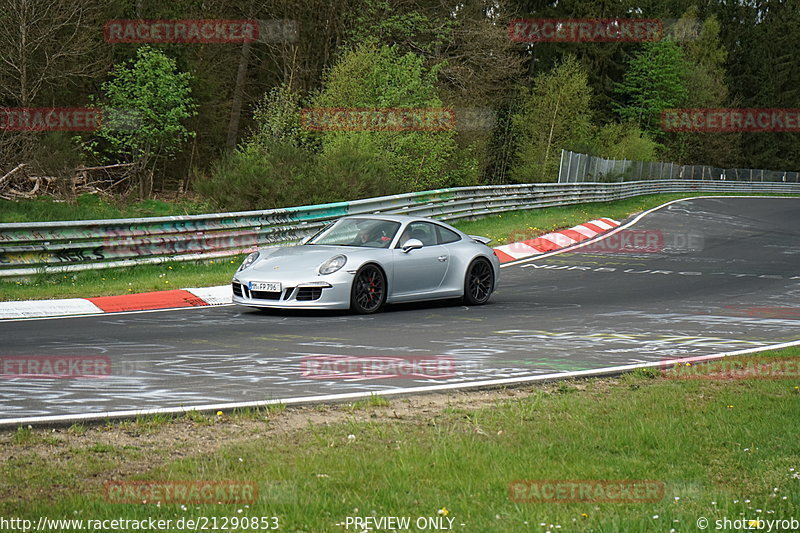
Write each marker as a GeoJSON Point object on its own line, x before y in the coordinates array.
{"type": "Point", "coordinates": [332, 265]}
{"type": "Point", "coordinates": [249, 260]}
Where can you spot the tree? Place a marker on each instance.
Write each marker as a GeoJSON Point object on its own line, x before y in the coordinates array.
{"type": "Point", "coordinates": [763, 41]}
{"type": "Point", "coordinates": [655, 80]}
{"type": "Point", "coordinates": [277, 118]}
{"type": "Point", "coordinates": [144, 102]}
{"type": "Point", "coordinates": [47, 51]}
{"type": "Point", "coordinates": [44, 45]}
{"type": "Point", "coordinates": [385, 78]}
{"type": "Point", "coordinates": [409, 29]}
{"type": "Point", "coordinates": [705, 57]}
{"type": "Point", "coordinates": [480, 77]}
{"type": "Point", "coordinates": [279, 164]}
{"type": "Point", "coordinates": [555, 115]}
{"type": "Point", "coordinates": [625, 141]}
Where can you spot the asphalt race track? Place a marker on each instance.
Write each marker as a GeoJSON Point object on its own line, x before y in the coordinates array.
{"type": "Point", "coordinates": [718, 275]}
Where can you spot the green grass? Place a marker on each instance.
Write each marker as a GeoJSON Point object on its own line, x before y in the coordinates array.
{"type": "Point", "coordinates": [720, 448]}
{"type": "Point", "coordinates": [508, 227]}
{"type": "Point", "coordinates": [372, 401]}
{"type": "Point", "coordinates": [91, 207]}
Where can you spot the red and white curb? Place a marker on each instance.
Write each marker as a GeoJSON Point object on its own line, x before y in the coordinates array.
{"type": "Point", "coordinates": [554, 241]}
{"type": "Point", "coordinates": [221, 295]}
{"type": "Point", "coordinates": [172, 299]}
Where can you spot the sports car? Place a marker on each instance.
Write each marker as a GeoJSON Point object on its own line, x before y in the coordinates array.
{"type": "Point", "coordinates": [363, 262]}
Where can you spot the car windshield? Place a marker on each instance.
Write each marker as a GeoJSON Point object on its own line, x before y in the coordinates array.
{"type": "Point", "coordinates": [361, 232]}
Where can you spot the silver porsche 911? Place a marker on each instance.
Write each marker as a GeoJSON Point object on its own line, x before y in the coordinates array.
{"type": "Point", "coordinates": [363, 262]}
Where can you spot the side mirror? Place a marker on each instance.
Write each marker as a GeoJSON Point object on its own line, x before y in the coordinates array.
{"type": "Point", "coordinates": [411, 244]}
{"type": "Point", "coordinates": [306, 239]}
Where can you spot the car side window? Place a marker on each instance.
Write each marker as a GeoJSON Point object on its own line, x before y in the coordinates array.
{"type": "Point", "coordinates": [422, 231]}
{"type": "Point", "coordinates": [447, 236]}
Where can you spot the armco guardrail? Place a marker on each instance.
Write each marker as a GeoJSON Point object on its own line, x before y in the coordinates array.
{"type": "Point", "coordinates": [30, 248]}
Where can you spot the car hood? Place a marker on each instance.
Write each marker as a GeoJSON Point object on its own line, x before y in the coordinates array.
{"type": "Point", "coordinates": [304, 257]}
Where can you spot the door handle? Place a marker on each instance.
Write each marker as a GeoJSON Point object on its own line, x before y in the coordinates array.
{"type": "Point", "coordinates": [442, 258]}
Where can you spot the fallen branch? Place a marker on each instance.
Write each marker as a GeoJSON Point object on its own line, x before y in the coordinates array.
{"type": "Point", "coordinates": [111, 186]}
{"type": "Point", "coordinates": [4, 178]}
{"type": "Point", "coordinates": [117, 165]}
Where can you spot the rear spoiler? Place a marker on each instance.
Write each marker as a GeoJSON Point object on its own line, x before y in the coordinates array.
{"type": "Point", "coordinates": [482, 240]}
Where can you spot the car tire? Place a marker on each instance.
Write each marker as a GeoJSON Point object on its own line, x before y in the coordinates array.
{"type": "Point", "coordinates": [478, 282]}
{"type": "Point", "coordinates": [368, 293]}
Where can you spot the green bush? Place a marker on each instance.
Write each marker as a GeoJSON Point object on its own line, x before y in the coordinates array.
{"type": "Point", "coordinates": [251, 178]}
{"type": "Point", "coordinates": [351, 168]}
{"type": "Point", "coordinates": [283, 163]}
{"type": "Point", "coordinates": [382, 77]}
{"type": "Point", "coordinates": [625, 141]}
{"type": "Point", "coordinates": [284, 175]}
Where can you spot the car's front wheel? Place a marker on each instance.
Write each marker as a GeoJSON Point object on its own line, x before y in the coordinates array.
{"type": "Point", "coordinates": [478, 283]}
{"type": "Point", "coordinates": [369, 290]}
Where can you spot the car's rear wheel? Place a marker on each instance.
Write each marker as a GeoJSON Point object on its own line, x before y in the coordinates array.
{"type": "Point", "coordinates": [478, 283]}
{"type": "Point", "coordinates": [369, 290]}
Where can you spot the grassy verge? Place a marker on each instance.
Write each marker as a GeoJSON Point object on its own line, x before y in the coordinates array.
{"type": "Point", "coordinates": [508, 227]}
{"type": "Point", "coordinates": [721, 448]}
{"type": "Point", "coordinates": [91, 207]}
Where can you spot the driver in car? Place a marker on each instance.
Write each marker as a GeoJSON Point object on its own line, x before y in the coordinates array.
{"type": "Point", "coordinates": [372, 236]}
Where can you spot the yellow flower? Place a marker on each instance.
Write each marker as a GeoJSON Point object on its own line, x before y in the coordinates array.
{"type": "Point", "coordinates": [584, 515]}
{"type": "Point", "coordinates": [219, 413]}
{"type": "Point", "coordinates": [730, 407]}
{"type": "Point", "coordinates": [443, 511]}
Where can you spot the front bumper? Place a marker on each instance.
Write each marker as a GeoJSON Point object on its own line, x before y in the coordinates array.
{"type": "Point", "coordinates": [334, 294]}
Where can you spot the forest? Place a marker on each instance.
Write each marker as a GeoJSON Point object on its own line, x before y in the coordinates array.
{"type": "Point", "coordinates": [258, 104]}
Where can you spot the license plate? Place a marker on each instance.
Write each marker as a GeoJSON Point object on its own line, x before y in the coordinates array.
{"type": "Point", "coordinates": [265, 286]}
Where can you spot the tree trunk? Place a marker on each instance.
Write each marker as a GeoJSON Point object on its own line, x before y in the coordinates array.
{"type": "Point", "coordinates": [238, 97]}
